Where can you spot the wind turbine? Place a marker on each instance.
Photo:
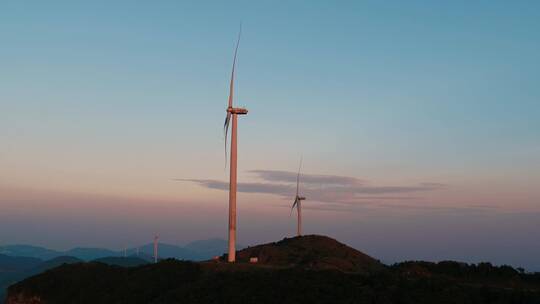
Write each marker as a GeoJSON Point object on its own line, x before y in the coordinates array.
{"type": "Point", "coordinates": [298, 202]}
{"type": "Point", "coordinates": [232, 114]}
{"type": "Point", "coordinates": [156, 239]}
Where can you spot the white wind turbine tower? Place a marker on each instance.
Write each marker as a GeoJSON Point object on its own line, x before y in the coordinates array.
{"type": "Point", "coordinates": [156, 239]}
{"type": "Point", "coordinates": [298, 202]}
{"type": "Point", "coordinates": [232, 113]}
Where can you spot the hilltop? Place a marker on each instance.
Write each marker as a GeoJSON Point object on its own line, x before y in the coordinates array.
{"type": "Point", "coordinates": [309, 269]}
{"type": "Point", "coordinates": [312, 252]}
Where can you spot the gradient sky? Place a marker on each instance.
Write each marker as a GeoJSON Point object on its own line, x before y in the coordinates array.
{"type": "Point", "coordinates": [418, 122]}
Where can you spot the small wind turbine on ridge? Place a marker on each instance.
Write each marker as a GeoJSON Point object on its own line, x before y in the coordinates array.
{"type": "Point", "coordinates": [156, 239]}
{"type": "Point", "coordinates": [298, 202]}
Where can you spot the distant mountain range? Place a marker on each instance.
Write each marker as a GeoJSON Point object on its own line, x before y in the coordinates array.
{"type": "Point", "coordinates": [29, 251]}
{"type": "Point", "coordinates": [196, 251]}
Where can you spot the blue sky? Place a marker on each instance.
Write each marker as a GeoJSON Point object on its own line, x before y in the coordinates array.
{"type": "Point", "coordinates": [118, 99]}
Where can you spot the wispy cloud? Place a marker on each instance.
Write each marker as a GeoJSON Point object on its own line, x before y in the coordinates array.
{"type": "Point", "coordinates": [278, 189]}
{"type": "Point", "coordinates": [319, 179]}
{"type": "Point", "coordinates": [321, 188]}
{"type": "Point", "coordinates": [434, 208]}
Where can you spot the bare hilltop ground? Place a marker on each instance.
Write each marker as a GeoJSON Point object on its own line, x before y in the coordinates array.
{"type": "Point", "coordinates": [307, 269]}
{"type": "Point", "coordinates": [311, 252]}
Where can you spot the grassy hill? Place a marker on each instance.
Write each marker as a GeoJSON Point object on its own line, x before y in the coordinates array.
{"type": "Point", "coordinates": [311, 252]}
{"type": "Point", "coordinates": [14, 269]}
{"type": "Point", "coordinates": [23, 267]}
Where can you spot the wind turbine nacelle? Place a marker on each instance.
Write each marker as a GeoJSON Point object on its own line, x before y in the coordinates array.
{"type": "Point", "coordinates": [238, 111]}
{"type": "Point", "coordinates": [301, 198]}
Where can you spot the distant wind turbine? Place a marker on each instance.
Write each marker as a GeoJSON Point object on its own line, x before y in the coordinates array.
{"type": "Point", "coordinates": [156, 239]}
{"type": "Point", "coordinates": [232, 113]}
{"type": "Point", "coordinates": [298, 202]}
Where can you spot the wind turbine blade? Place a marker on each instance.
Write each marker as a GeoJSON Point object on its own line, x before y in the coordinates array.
{"type": "Point", "coordinates": [226, 124]}
{"type": "Point", "coordinates": [231, 86]}
{"type": "Point", "coordinates": [231, 94]}
{"type": "Point", "coordinates": [298, 178]}
{"type": "Point", "coordinates": [294, 204]}
{"type": "Point", "coordinates": [226, 131]}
